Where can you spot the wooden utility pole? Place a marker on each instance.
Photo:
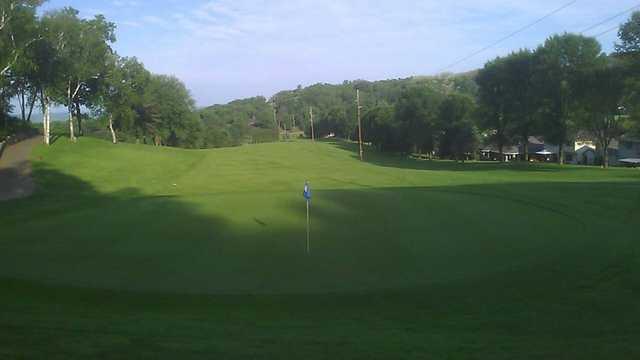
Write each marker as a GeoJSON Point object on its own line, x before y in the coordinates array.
{"type": "Point", "coordinates": [275, 119]}
{"type": "Point", "coordinates": [286, 134]}
{"type": "Point", "coordinates": [313, 138]}
{"type": "Point", "coordinates": [359, 125]}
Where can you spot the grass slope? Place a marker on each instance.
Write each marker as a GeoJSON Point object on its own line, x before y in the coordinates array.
{"type": "Point", "coordinates": [139, 252]}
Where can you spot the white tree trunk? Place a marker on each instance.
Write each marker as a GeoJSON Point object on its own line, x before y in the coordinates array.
{"type": "Point", "coordinates": [46, 120]}
{"type": "Point", "coordinates": [72, 134]}
{"type": "Point", "coordinates": [113, 132]}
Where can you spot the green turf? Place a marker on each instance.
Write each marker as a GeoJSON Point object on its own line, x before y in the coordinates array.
{"type": "Point", "coordinates": [139, 252]}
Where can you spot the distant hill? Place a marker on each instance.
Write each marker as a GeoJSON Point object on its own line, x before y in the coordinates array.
{"type": "Point", "coordinates": [293, 105]}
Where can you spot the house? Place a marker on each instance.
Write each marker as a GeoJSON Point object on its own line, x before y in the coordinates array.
{"type": "Point", "coordinates": [492, 153]}
{"type": "Point", "coordinates": [626, 152]}
{"type": "Point", "coordinates": [585, 149]}
{"type": "Point", "coordinates": [538, 151]}
{"type": "Point", "coordinates": [582, 151]}
{"type": "Point", "coordinates": [586, 155]}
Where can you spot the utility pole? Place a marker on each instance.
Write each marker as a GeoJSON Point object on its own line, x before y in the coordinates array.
{"type": "Point", "coordinates": [286, 134]}
{"type": "Point", "coordinates": [313, 138]}
{"type": "Point", "coordinates": [359, 124]}
{"type": "Point", "coordinates": [275, 119]}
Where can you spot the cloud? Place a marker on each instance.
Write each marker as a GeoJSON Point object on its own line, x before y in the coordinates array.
{"type": "Point", "coordinates": [125, 3]}
{"type": "Point", "coordinates": [154, 20]}
{"type": "Point", "coordinates": [131, 23]}
{"type": "Point", "coordinates": [259, 46]}
{"type": "Point", "coordinates": [90, 13]}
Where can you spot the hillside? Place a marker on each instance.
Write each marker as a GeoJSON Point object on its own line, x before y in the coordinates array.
{"type": "Point", "coordinates": [156, 252]}
{"type": "Point", "coordinates": [293, 106]}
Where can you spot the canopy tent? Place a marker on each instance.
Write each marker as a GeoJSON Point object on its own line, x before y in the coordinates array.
{"type": "Point", "coordinates": [630, 161]}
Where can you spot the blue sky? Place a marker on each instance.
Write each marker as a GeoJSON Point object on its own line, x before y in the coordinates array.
{"type": "Point", "coordinates": [228, 49]}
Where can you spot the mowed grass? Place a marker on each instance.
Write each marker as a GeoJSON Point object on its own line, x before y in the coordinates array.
{"type": "Point", "coordinates": [138, 252]}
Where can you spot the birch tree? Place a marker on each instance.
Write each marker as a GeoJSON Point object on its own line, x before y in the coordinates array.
{"type": "Point", "coordinates": [122, 93]}
{"type": "Point", "coordinates": [17, 17]}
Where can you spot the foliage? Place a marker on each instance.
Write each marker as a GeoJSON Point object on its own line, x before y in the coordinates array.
{"type": "Point", "coordinates": [459, 134]}
{"type": "Point", "coordinates": [602, 90]}
{"type": "Point", "coordinates": [629, 35]}
{"type": "Point", "coordinates": [559, 64]}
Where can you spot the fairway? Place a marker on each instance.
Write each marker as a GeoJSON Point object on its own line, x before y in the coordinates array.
{"type": "Point", "coordinates": [137, 251]}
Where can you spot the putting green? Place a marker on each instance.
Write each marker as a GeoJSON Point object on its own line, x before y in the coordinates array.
{"type": "Point", "coordinates": [169, 253]}
{"type": "Point", "coordinates": [364, 239]}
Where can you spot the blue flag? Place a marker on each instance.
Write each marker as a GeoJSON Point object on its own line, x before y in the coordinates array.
{"type": "Point", "coordinates": [307, 191]}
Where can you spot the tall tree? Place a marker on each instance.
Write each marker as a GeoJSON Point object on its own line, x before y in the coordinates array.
{"type": "Point", "coordinates": [169, 113]}
{"type": "Point", "coordinates": [459, 134]}
{"type": "Point", "coordinates": [17, 18]}
{"type": "Point", "coordinates": [601, 91]}
{"type": "Point", "coordinates": [559, 64]}
{"type": "Point", "coordinates": [121, 94]}
{"type": "Point", "coordinates": [83, 53]}
{"type": "Point", "coordinates": [380, 127]}
{"type": "Point", "coordinates": [47, 67]}
{"type": "Point", "coordinates": [629, 35]}
{"type": "Point", "coordinates": [522, 106]}
{"type": "Point", "coordinates": [96, 37]}
{"type": "Point", "coordinates": [628, 51]}
{"type": "Point", "coordinates": [417, 112]}
{"type": "Point", "coordinates": [494, 102]}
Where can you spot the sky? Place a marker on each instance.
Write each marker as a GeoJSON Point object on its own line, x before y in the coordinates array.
{"type": "Point", "coordinates": [229, 49]}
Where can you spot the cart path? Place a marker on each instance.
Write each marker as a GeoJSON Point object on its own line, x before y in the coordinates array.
{"type": "Point", "coordinates": [15, 170]}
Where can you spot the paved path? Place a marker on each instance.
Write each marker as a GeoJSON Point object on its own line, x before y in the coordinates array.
{"type": "Point", "coordinates": [15, 170]}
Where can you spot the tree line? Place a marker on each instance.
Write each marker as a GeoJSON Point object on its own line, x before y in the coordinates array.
{"type": "Point", "coordinates": [61, 59]}
{"type": "Point", "coordinates": [565, 88]}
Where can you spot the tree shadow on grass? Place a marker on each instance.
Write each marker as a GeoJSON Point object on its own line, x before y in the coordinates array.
{"type": "Point", "coordinates": [361, 239]}
{"type": "Point", "coordinates": [389, 268]}
{"type": "Point", "coordinates": [15, 181]}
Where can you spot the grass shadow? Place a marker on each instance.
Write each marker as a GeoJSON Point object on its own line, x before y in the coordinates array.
{"type": "Point", "coordinates": [468, 270]}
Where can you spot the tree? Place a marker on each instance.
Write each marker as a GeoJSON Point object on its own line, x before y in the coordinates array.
{"type": "Point", "coordinates": [628, 51]}
{"type": "Point", "coordinates": [495, 100]}
{"type": "Point", "coordinates": [17, 19]}
{"type": "Point", "coordinates": [629, 35]}
{"type": "Point", "coordinates": [17, 23]}
{"type": "Point", "coordinates": [24, 81]}
{"type": "Point", "coordinates": [417, 112]}
{"type": "Point", "coordinates": [559, 63]}
{"type": "Point", "coordinates": [95, 38]}
{"type": "Point", "coordinates": [380, 127]}
{"type": "Point", "coordinates": [47, 68]}
{"type": "Point", "coordinates": [122, 93]}
{"type": "Point", "coordinates": [333, 121]}
{"type": "Point", "coordinates": [602, 91]}
{"type": "Point", "coordinates": [521, 106]}
{"type": "Point", "coordinates": [168, 114]}
{"type": "Point", "coordinates": [83, 51]}
{"type": "Point", "coordinates": [459, 134]}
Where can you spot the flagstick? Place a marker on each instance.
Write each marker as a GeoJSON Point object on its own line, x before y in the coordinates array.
{"type": "Point", "coordinates": [308, 223]}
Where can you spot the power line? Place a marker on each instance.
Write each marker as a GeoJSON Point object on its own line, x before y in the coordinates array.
{"type": "Point", "coordinates": [609, 19]}
{"type": "Point", "coordinates": [526, 27]}
{"type": "Point", "coordinates": [606, 31]}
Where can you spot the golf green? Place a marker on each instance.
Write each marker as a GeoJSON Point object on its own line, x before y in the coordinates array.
{"type": "Point", "coordinates": [133, 251]}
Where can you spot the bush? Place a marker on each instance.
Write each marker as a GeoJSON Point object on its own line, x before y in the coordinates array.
{"type": "Point", "coordinates": [11, 126]}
